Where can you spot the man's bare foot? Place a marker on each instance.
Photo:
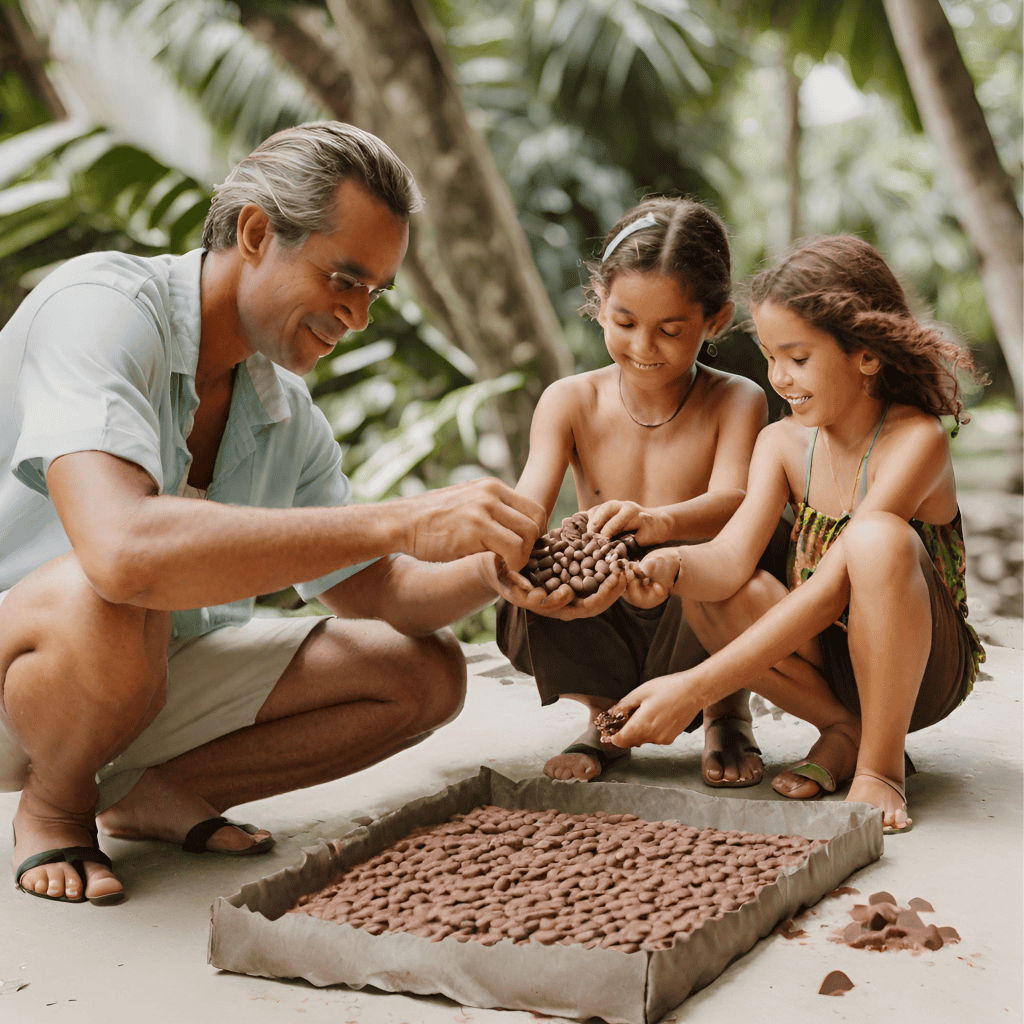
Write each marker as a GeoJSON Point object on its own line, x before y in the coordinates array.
{"type": "Point", "coordinates": [829, 763]}
{"type": "Point", "coordinates": [732, 758]}
{"type": "Point", "coordinates": [872, 788]}
{"type": "Point", "coordinates": [158, 809]}
{"type": "Point", "coordinates": [34, 836]}
{"type": "Point", "coordinates": [578, 764]}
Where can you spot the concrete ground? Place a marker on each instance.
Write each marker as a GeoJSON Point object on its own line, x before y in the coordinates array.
{"type": "Point", "coordinates": [146, 959]}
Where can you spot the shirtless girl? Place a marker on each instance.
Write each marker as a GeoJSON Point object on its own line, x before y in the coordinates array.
{"type": "Point", "coordinates": [659, 446]}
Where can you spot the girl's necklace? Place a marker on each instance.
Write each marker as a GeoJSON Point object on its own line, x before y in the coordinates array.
{"type": "Point", "coordinates": [651, 426]}
{"type": "Point", "coordinates": [856, 480]}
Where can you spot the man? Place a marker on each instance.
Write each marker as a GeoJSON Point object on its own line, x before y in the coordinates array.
{"type": "Point", "coordinates": [160, 464]}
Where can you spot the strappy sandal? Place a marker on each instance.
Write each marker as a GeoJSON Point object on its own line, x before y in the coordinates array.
{"type": "Point", "coordinates": [811, 768]}
{"type": "Point", "coordinates": [889, 830]}
{"type": "Point", "coordinates": [199, 835]}
{"type": "Point", "coordinates": [76, 857]}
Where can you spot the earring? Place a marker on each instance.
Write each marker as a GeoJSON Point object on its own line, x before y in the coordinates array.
{"type": "Point", "coordinates": [711, 349]}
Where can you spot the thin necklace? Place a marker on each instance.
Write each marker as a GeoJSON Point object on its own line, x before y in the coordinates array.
{"type": "Point", "coordinates": [856, 480]}
{"type": "Point", "coordinates": [651, 426]}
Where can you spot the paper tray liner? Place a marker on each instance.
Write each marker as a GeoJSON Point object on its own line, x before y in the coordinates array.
{"type": "Point", "coordinates": [251, 933]}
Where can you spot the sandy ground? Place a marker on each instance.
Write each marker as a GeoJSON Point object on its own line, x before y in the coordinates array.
{"type": "Point", "coordinates": [146, 959]}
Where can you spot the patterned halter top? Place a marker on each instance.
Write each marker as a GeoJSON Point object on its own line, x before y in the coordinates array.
{"type": "Point", "coordinates": [813, 533]}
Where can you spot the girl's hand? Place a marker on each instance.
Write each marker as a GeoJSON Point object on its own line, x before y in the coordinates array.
{"type": "Point", "coordinates": [663, 568]}
{"type": "Point", "coordinates": [556, 604]}
{"type": "Point", "coordinates": [614, 517]}
{"type": "Point", "coordinates": [642, 591]}
{"type": "Point", "coordinates": [664, 707]}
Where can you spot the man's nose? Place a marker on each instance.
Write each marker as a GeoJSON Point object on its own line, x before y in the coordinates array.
{"type": "Point", "coordinates": [352, 308]}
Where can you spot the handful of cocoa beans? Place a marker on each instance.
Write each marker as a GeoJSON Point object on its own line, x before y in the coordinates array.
{"type": "Point", "coordinates": [609, 722]}
{"type": "Point", "coordinates": [572, 554]}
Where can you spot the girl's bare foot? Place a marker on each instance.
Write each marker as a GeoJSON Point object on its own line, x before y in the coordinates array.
{"type": "Point", "coordinates": [731, 758]}
{"type": "Point", "coordinates": [156, 808]}
{"type": "Point", "coordinates": [578, 764]}
{"type": "Point", "coordinates": [831, 762]}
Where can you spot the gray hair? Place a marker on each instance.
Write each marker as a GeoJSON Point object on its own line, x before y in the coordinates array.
{"type": "Point", "coordinates": [293, 177]}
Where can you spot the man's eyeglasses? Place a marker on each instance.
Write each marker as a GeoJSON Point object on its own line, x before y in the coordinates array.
{"type": "Point", "coordinates": [342, 283]}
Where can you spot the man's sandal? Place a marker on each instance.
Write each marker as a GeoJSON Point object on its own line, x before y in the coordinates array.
{"type": "Point", "coordinates": [604, 760]}
{"type": "Point", "coordinates": [75, 856]}
{"type": "Point", "coordinates": [889, 830]}
{"type": "Point", "coordinates": [199, 835]}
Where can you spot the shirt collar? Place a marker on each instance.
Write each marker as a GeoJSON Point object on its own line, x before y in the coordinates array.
{"type": "Point", "coordinates": [186, 329]}
{"type": "Point", "coordinates": [185, 311]}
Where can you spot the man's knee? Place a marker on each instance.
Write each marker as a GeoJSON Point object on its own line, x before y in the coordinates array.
{"type": "Point", "coordinates": [448, 675]}
{"type": "Point", "coordinates": [76, 637]}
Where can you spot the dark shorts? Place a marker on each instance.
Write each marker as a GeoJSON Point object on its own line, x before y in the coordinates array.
{"type": "Point", "coordinates": [607, 655]}
{"type": "Point", "coordinates": [611, 654]}
{"type": "Point", "coordinates": [948, 674]}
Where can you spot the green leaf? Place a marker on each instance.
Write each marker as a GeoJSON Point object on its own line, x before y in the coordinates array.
{"type": "Point", "coordinates": [20, 154]}
{"type": "Point", "coordinates": [409, 446]}
{"type": "Point", "coordinates": [191, 219]}
{"type": "Point", "coordinates": [47, 219]}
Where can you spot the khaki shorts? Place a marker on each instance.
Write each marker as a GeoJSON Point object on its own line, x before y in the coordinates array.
{"type": "Point", "coordinates": [216, 684]}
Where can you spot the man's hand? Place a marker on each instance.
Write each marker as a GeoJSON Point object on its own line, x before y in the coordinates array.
{"type": "Point", "coordinates": [482, 515]}
{"type": "Point", "coordinates": [556, 604]}
{"type": "Point", "coordinates": [614, 517]}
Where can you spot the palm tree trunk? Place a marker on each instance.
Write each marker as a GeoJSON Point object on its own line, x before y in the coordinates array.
{"type": "Point", "coordinates": [982, 191]}
{"type": "Point", "coordinates": [21, 52]}
{"type": "Point", "coordinates": [792, 154]}
{"type": "Point", "coordinates": [471, 261]}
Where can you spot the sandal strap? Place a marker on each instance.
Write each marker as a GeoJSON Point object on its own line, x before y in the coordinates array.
{"type": "Point", "coordinates": [895, 787]}
{"type": "Point", "coordinates": [816, 773]}
{"type": "Point", "coordinates": [65, 854]}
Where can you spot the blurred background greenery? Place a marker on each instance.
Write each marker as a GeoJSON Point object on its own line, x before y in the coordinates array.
{"type": "Point", "coordinates": [789, 117]}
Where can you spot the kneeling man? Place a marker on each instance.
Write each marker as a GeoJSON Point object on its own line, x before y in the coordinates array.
{"type": "Point", "coordinates": [161, 462]}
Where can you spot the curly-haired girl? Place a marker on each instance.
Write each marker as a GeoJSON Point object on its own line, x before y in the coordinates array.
{"type": "Point", "coordinates": [869, 639]}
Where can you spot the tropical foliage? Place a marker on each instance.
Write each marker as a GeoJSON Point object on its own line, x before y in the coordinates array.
{"type": "Point", "coordinates": [585, 104]}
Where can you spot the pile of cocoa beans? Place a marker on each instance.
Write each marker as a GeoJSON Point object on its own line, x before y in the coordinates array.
{"type": "Point", "coordinates": [574, 555]}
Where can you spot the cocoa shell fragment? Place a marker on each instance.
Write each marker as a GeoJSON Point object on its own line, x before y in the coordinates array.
{"type": "Point", "coordinates": [835, 984]}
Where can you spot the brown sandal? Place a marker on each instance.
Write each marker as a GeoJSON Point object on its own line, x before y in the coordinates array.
{"type": "Point", "coordinates": [812, 768]}
{"type": "Point", "coordinates": [890, 830]}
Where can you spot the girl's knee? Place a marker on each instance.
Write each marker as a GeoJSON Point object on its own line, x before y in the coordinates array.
{"type": "Point", "coordinates": [880, 541]}
{"type": "Point", "coordinates": [761, 592]}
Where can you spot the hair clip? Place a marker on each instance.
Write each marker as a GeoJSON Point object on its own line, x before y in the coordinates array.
{"type": "Point", "coordinates": [648, 220]}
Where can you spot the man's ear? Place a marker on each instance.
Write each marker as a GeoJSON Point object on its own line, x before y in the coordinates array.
{"type": "Point", "coordinates": [721, 320]}
{"type": "Point", "coordinates": [254, 232]}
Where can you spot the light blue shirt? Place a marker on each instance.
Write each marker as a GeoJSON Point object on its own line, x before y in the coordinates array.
{"type": "Point", "coordinates": [101, 356]}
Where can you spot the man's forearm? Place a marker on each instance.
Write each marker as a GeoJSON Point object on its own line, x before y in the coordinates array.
{"type": "Point", "coordinates": [162, 552]}
{"type": "Point", "coordinates": [182, 553]}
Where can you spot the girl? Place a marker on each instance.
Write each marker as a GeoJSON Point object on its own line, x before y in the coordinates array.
{"type": "Point", "coordinates": [659, 445]}
{"type": "Point", "coordinates": [875, 581]}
